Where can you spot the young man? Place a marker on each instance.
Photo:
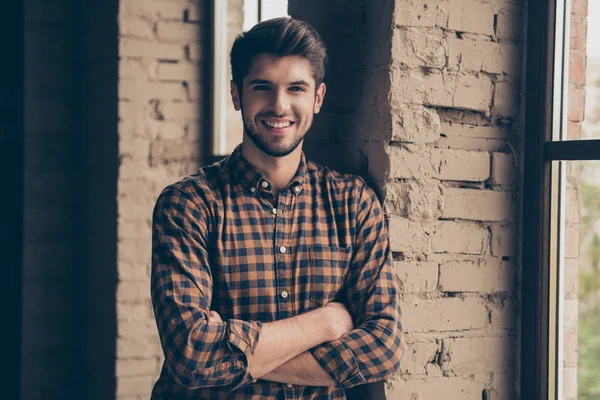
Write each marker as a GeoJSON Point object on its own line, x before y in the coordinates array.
{"type": "Point", "coordinates": [272, 276]}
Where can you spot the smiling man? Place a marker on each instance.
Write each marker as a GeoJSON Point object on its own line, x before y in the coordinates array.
{"type": "Point", "coordinates": [271, 275]}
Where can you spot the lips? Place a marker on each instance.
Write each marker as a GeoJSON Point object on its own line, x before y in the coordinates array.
{"type": "Point", "coordinates": [277, 126]}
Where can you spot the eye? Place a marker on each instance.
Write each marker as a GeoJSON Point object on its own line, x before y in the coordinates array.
{"type": "Point", "coordinates": [261, 88]}
{"type": "Point", "coordinates": [297, 89]}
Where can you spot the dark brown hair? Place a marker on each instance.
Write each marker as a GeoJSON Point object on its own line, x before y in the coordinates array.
{"type": "Point", "coordinates": [282, 37]}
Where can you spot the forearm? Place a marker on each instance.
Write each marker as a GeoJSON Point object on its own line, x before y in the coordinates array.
{"type": "Point", "coordinates": [281, 341]}
{"type": "Point", "coordinates": [301, 370]}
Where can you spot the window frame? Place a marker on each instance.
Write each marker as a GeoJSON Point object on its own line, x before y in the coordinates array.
{"type": "Point", "coordinates": [543, 196]}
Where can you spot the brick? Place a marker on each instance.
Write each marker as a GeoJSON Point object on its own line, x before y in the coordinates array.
{"type": "Point", "coordinates": [421, 13]}
{"type": "Point", "coordinates": [195, 52]}
{"type": "Point", "coordinates": [579, 7]}
{"type": "Point", "coordinates": [143, 347]}
{"type": "Point", "coordinates": [462, 165]}
{"type": "Point", "coordinates": [570, 349]}
{"type": "Point", "coordinates": [569, 383]}
{"type": "Point", "coordinates": [577, 67]}
{"type": "Point", "coordinates": [509, 23]}
{"type": "Point", "coordinates": [133, 290]}
{"type": "Point", "coordinates": [506, 99]}
{"type": "Point", "coordinates": [571, 315]}
{"type": "Point", "coordinates": [445, 314]}
{"type": "Point", "coordinates": [152, 10]}
{"type": "Point", "coordinates": [479, 205]}
{"type": "Point", "coordinates": [504, 241]}
{"type": "Point", "coordinates": [137, 329]}
{"type": "Point", "coordinates": [488, 276]}
{"type": "Point", "coordinates": [136, 148]}
{"type": "Point", "coordinates": [572, 278]}
{"type": "Point", "coordinates": [180, 111]}
{"type": "Point", "coordinates": [135, 385]}
{"type": "Point", "coordinates": [503, 386]}
{"type": "Point", "coordinates": [414, 123]}
{"type": "Point", "coordinates": [436, 388]}
{"type": "Point", "coordinates": [503, 314]}
{"type": "Point", "coordinates": [492, 57]}
{"type": "Point", "coordinates": [138, 310]}
{"type": "Point", "coordinates": [147, 49]}
{"type": "Point", "coordinates": [470, 131]}
{"type": "Point", "coordinates": [576, 111]}
{"type": "Point", "coordinates": [137, 368]}
{"type": "Point", "coordinates": [417, 277]}
{"type": "Point", "coordinates": [503, 169]}
{"type": "Point", "coordinates": [572, 244]}
{"type": "Point", "coordinates": [418, 201]}
{"type": "Point", "coordinates": [412, 161]}
{"type": "Point", "coordinates": [133, 271]}
{"type": "Point", "coordinates": [408, 236]}
{"type": "Point", "coordinates": [151, 90]}
{"type": "Point", "coordinates": [417, 356]}
{"type": "Point", "coordinates": [181, 71]}
{"type": "Point", "coordinates": [134, 250]}
{"type": "Point", "coordinates": [459, 237]}
{"type": "Point", "coordinates": [178, 32]}
{"type": "Point", "coordinates": [474, 354]}
{"type": "Point", "coordinates": [442, 89]}
{"type": "Point", "coordinates": [136, 28]}
{"type": "Point", "coordinates": [578, 33]}
{"type": "Point", "coordinates": [195, 12]}
{"type": "Point", "coordinates": [413, 47]}
{"type": "Point", "coordinates": [472, 16]}
{"type": "Point", "coordinates": [136, 69]}
{"type": "Point", "coordinates": [574, 130]}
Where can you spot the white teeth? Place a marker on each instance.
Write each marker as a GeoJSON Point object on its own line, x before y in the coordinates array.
{"type": "Point", "coordinates": [278, 124]}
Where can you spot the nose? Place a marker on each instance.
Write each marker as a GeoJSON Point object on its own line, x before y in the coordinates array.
{"type": "Point", "coordinates": [280, 102]}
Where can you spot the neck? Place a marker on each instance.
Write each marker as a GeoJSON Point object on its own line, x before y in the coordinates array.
{"type": "Point", "coordinates": [278, 170]}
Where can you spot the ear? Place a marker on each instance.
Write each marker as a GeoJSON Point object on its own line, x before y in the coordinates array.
{"type": "Point", "coordinates": [235, 96]}
{"type": "Point", "coordinates": [320, 95]}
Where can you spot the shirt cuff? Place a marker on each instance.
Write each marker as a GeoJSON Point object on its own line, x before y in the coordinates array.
{"type": "Point", "coordinates": [339, 362]}
{"type": "Point", "coordinates": [242, 336]}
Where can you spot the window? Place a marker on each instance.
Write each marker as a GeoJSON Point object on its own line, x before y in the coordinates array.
{"type": "Point", "coordinates": [561, 244]}
{"type": "Point", "coordinates": [231, 17]}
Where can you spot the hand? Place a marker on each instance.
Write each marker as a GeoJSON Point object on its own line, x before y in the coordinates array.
{"type": "Point", "coordinates": [340, 320]}
{"type": "Point", "coordinates": [214, 316]}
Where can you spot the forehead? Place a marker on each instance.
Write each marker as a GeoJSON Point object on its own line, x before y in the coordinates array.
{"type": "Point", "coordinates": [280, 69]}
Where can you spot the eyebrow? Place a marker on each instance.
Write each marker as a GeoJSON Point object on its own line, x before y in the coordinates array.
{"type": "Point", "coordinates": [267, 82]}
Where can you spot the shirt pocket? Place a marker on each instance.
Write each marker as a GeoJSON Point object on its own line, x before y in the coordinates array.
{"type": "Point", "coordinates": [327, 270]}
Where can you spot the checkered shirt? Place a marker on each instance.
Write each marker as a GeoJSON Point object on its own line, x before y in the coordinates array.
{"type": "Point", "coordinates": [221, 241]}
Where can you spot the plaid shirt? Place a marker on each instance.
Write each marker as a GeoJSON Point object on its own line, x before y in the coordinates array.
{"type": "Point", "coordinates": [221, 241]}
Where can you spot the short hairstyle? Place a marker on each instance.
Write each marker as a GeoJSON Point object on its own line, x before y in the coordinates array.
{"type": "Point", "coordinates": [282, 37]}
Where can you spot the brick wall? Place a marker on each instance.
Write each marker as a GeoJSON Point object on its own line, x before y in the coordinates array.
{"type": "Point", "coordinates": [161, 109]}
{"type": "Point", "coordinates": [426, 103]}
{"type": "Point", "coordinates": [575, 117]}
{"type": "Point", "coordinates": [51, 308]}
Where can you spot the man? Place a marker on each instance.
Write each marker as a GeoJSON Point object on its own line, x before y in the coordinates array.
{"type": "Point", "coordinates": [271, 275]}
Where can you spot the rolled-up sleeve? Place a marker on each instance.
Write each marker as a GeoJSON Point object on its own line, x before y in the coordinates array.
{"type": "Point", "coordinates": [198, 352]}
{"type": "Point", "coordinates": [373, 350]}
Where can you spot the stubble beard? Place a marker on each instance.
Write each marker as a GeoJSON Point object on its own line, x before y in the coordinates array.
{"type": "Point", "coordinates": [270, 148]}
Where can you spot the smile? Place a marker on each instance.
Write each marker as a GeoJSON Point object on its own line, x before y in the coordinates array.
{"type": "Point", "coordinates": [278, 125]}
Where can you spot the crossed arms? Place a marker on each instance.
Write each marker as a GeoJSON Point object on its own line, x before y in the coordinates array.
{"type": "Point", "coordinates": [318, 348]}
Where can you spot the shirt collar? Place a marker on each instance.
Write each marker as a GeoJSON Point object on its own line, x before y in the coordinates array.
{"type": "Point", "coordinates": [248, 176]}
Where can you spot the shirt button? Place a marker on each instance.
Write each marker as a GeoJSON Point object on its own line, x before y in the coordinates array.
{"type": "Point", "coordinates": [253, 189]}
{"type": "Point", "coordinates": [297, 189]}
{"type": "Point", "coordinates": [290, 385]}
{"type": "Point", "coordinates": [282, 249]}
{"type": "Point", "coordinates": [265, 184]}
{"type": "Point", "coordinates": [274, 211]}
{"type": "Point", "coordinates": [284, 294]}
